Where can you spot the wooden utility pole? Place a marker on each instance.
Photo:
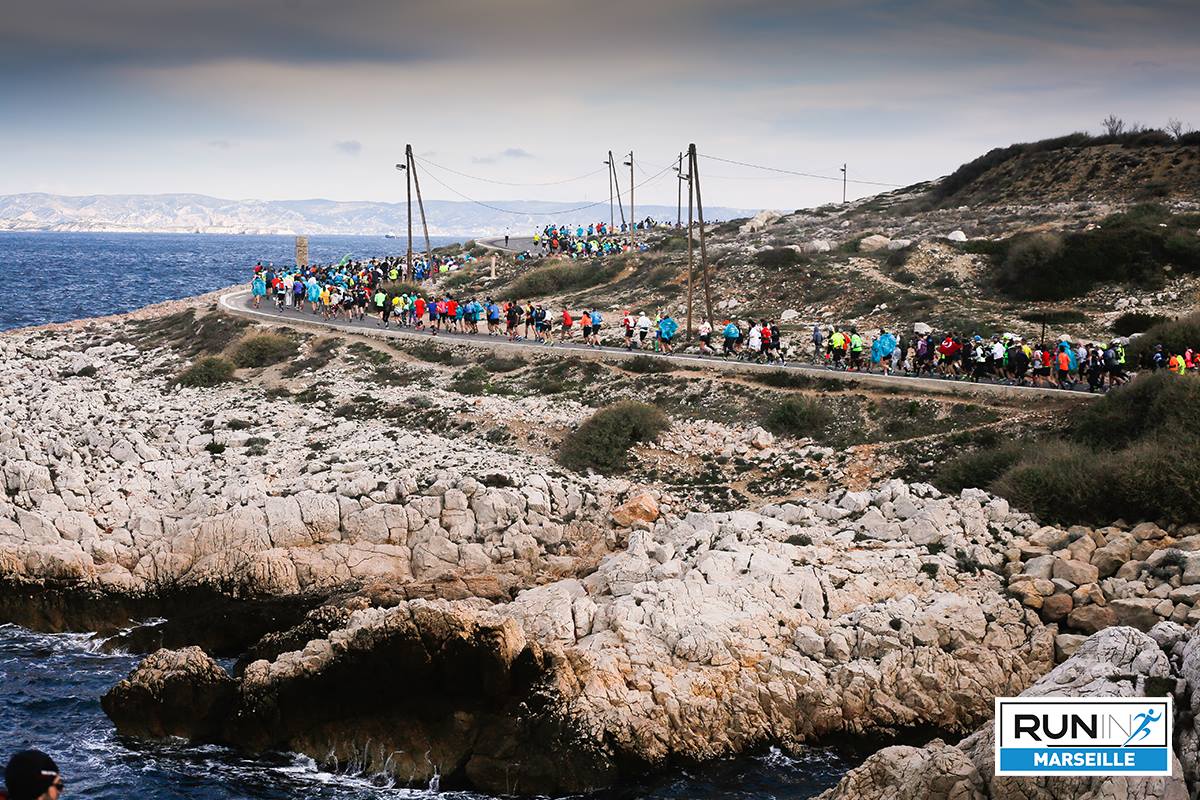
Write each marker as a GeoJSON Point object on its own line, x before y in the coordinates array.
{"type": "Point", "coordinates": [844, 184]}
{"type": "Point", "coordinates": [691, 268]}
{"type": "Point", "coordinates": [679, 203]}
{"type": "Point", "coordinates": [612, 219]}
{"type": "Point", "coordinates": [412, 169]}
{"type": "Point", "coordinates": [408, 264]}
{"type": "Point", "coordinates": [612, 171]}
{"type": "Point", "coordinates": [694, 173]}
{"type": "Point", "coordinates": [632, 213]}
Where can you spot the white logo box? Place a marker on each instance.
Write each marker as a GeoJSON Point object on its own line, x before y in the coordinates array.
{"type": "Point", "coordinates": [1083, 736]}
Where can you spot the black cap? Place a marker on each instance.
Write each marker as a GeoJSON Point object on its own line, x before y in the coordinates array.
{"type": "Point", "coordinates": [29, 774]}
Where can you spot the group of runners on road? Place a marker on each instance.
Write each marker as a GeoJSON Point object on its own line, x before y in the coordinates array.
{"type": "Point", "coordinates": [361, 291]}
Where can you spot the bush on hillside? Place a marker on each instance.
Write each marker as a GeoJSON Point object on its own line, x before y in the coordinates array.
{"type": "Point", "coordinates": [1055, 316]}
{"type": "Point", "coordinates": [563, 276]}
{"type": "Point", "coordinates": [646, 364]}
{"type": "Point", "coordinates": [263, 350]}
{"type": "Point", "coordinates": [1136, 322]}
{"type": "Point", "coordinates": [779, 258]}
{"type": "Point", "coordinates": [602, 442]}
{"type": "Point", "coordinates": [1176, 335]}
{"type": "Point", "coordinates": [797, 416]}
{"type": "Point", "coordinates": [1152, 403]}
{"type": "Point", "coordinates": [1133, 247]}
{"type": "Point", "coordinates": [1064, 482]}
{"type": "Point", "coordinates": [208, 371]}
{"type": "Point", "coordinates": [978, 469]}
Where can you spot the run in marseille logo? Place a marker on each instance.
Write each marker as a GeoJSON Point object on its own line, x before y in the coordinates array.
{"type": "Point", "coordinates": [1083, 736]}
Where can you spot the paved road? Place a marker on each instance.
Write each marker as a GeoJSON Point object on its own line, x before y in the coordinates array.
{"type": "Point", "coordinates": [239, 302]}
{"type": "Point", "coordinates": [516, 244]}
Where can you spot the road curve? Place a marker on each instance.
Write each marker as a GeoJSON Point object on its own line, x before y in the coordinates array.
{"type": "Point", "coordinates": [239, 303]}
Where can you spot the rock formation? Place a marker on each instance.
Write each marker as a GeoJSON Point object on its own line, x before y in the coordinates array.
{"type": "Point", "coordinates": [1118, 662]}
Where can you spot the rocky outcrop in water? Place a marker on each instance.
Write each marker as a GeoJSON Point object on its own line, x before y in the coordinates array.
{"type": "Point", "coordinates": [1118, 662]}
{"type": "Point", "coordinates": [708, 635]}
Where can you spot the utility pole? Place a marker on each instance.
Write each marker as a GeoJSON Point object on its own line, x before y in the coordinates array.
{"type": "Point", "coordinates": [612, 220]}
{"type": "Point", "coordinates": [412, 169]}
{"type": "Point", "coordinates": [679, 204]}
{"type": "Point", "coordinates": [612, 171]}
{"type": "Point", "coordinates": [408, 179]}
{"type": "Point", "coordinates": [632, 214]}
{"type": "Point", "coordinates": [691, 268]}
{"type": "Point", "coordinates": [694, 172]}
{"type": "Point", "coordinates": [843, 184]}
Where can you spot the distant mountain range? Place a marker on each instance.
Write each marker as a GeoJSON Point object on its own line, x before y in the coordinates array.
{"type": "Point", "coordinates": [195, 213]}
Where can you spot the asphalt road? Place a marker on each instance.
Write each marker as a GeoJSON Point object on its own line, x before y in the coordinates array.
{"type": "Point", "coordinates": [239, 302]}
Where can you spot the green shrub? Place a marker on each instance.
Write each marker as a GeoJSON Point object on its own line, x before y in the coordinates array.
{"type": "Point", "coordinates": [977, 469]}
{"type": "Point", "coordinates": [472, 380]}
{"type": "Point", "coordinates": [1133, 322]}
{"type": "Point", "coordinates": [1133, 247]}
{"type": "Point", "coordinates": [1176, 335]}
{"type": "Point", "coordinates": [320, 354]}
{"type": "Point", "coordinates": [427, 351]}
{"type": "Point", "coordinates": [779, 258]}
{"type": "Point", "coordinates": [562, 276]}
{"type": "Point", "coordinates": [263, 350]}
{"type": "Point", "coordinates": [602, 442]}
{"type": "Point", "coordinates": [208, 371]}
{"type": "Point", "coordinates": [1064, 482]}
{"type": "Point", "coordinates": [498, 363]}
{"type": "Point", "coordinates": [1153, 403]}
{"type": "Point", "coordinates": [782, 379]}
{"type": "Point", "coordinates": [646, 364]}
{"type": "Point", "coordinates": [216, 448]}
{"type": "Point", "coordinates": [797, 416]}
{"type": "Point", "coordinates": [237, 424]}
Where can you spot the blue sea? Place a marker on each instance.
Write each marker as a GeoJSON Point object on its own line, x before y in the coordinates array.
{"type": "Point", "coordinates": [55, 277]}
{"type": "Point", "coordinates": [51, 684]}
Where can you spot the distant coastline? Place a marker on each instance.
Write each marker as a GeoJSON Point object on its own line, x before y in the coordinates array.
{"type": "Point", "coordinates": [194, 214]}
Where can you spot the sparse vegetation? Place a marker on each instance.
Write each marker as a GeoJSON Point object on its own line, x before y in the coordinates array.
{"type": "Point", "coordinates": [263, 350]}
{"type": "Point", "coordinates": [602, 442]}
{"type": "Point", "coordinates": [208, 371]}
{"type": "Point", "coordinates": [797, 416]}
{"type": "Point", "coordinates": [564, 276]}
{"type": "Point", "coordinates": [646, 364]}
{"type": "Point", "coordinates": [1133, 247]}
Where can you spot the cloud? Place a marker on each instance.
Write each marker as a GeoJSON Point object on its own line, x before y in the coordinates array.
{"type": "Point", "coordinates": [220, 144]}
{"type": "Point", "coordinates": [513, 153]}
{"type": "Point", "coordinates": [350, 147]}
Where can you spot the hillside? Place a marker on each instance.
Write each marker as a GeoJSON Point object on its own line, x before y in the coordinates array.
{"type": "Point", "coordinates": [194, 213]}
{"type": "Point", "coordinates": [1142, 167]}
{"type": "Point", "coordinates": [986, 250]}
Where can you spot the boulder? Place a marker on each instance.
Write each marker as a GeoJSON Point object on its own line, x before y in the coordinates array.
{"type": "Point", "coordinates": [172, 693]}
{"type": "Point", "coordinates": [759, 222]}
{"type": "Point", "coordinates": [1091, 618]}
{"type": "Point", "coordinates": [869, 244]}
{"type": "Point", "coordinates": [1077, 572]}
{"type": "Point", "coordinates": [640, 507]}
{"type": "Point", "coordinates": [1136, 612]}
{"type": "Point", "coordinates": [956, 236]}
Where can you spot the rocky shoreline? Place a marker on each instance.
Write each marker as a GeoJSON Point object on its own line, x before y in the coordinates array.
{"type": "Point", "coordinates": [419, 602]}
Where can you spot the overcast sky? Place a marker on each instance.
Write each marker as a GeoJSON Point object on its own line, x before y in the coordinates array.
{"type": "Point", "coordinates": [280, 99]}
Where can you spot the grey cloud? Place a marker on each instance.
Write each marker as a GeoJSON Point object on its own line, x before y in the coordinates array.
{"type": "Point", "coordinates": [220, 144]}
{"type": "Point", "coordinates": [514, 153]}
{"type": "Point", "coordinates": [350, 147]}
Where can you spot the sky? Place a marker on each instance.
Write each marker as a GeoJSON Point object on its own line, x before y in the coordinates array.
{"type": "Point", "coordinates": [290, 99]}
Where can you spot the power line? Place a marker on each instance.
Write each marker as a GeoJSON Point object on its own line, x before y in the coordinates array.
{"type": "Point", "coordinates": [839, 179]}
{"type": "Point", "coordinates": [554, 213]}
{"type": "Point", "coordinates": [427, 162]}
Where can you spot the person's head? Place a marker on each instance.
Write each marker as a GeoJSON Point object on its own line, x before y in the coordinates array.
{"type": "Point", "coordinates": [32, 775]}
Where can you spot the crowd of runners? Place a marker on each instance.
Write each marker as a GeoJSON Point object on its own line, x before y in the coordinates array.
{"type": "Point", "coordinates": [594, 239]}
{"type": "Point", "coordinates": [370, 291]}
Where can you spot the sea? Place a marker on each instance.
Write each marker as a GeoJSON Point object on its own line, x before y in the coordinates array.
{"type": "Point", "coordinates": [51, 684]}
{"type": "Point", "coordinates": [55, 277]}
